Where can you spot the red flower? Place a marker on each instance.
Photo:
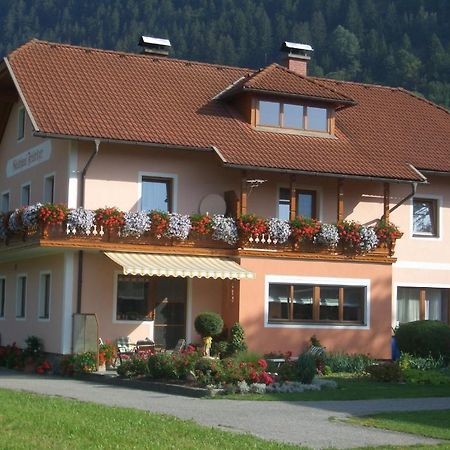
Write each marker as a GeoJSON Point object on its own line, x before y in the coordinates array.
{"type": "Point", "coordinates": [262, 363]}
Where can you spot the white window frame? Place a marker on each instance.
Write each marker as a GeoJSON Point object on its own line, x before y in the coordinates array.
{"type": "Point", "coordinates": [3, 280]}
{"type": "Point", "coordinates": [21, 113]}
{"type": "Point", "coordinates": [46, 177]}
{"type": "Point", "coordinates": [171, 176]}
{"type": "Point", "coordinates": [302, 187]}
{"type": "Point", "coordinates": [42, 295]}
{"type": "Point", "coordinates": [322, 281]}
{"type": "Point", "coordinates": [439, 213]}
{"type": "Point", "coordinates": [4, 193]}
{"type": "Point", "coordinates": [28, 183]}
{"type": "Point", "coordinates": [19, 276]}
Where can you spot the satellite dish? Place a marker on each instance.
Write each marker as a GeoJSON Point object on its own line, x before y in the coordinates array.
{"type": "Point", "coordinates": [213, 204]}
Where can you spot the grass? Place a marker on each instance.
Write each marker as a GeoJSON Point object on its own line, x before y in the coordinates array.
{"type": "Point", "coordinates": [354, 388]}
{"type": "Point", "coordinates": [31, 421]}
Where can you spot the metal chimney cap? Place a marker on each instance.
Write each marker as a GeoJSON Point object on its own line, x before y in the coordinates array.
{"type": "Point", "coordinates": [149, 40]}
{"type": "Point", "coordinates": [286, 45]}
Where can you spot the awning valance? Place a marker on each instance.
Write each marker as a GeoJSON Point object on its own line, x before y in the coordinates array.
{"type": "Point", "coordinates": [179, 266]}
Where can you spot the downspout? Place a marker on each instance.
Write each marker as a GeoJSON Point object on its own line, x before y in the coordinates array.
{"type": "Point", "coordinates": [81, 204]}
{"type": "Point", "coordinates": [403, 200]}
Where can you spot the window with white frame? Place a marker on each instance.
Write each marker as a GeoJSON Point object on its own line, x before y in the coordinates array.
{"type": "Point", "coordinates": [5, 202]}
{"type": "Point", "coordinates": [292, 303]}
{"type": "Point", "coordinates": [21, 296]}
{"type": "Point", "coordinates": [157, 194]}
{"type": "Point", "coordinates": [49, 189]}
{"type": "Point", "coordinates": [25, 195]}
{"type": "Point", "coordinates": [425, 217]}
{"type": "Point", "coordinates": [44, 296]}
{"type": "Point", "coordinates": [2, 297]}
{"type": "Point", "coordinates": [21, 123]}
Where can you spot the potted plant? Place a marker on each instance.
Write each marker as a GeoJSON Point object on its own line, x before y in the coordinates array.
{"type": "Point", "coordinates": [201, 224]}
{"type": "Point", "coordinates": [250, 226]}
{"type": "Point", "coordinates": [159, 221]}
{"type": "Point", "coordinates": [304, 229]}
{"type": "Point", "coordinates": [387, 234]}
{"type": "Point", "coordinates": [207, 325]}
{"type": "Point", "coordinates": [111, 219]}
{"type": "Point", "coordinates": [51, 214]}
{"type": "Point", "coordinates": [349, 234]}
{"type": "Point", "coordinates": [109, 352]}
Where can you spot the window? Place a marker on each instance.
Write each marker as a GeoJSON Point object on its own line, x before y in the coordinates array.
{"type": "Point", "coordinates": [2, 297]}
{"type": "Point", "coordinates": [306, 203]}
{"type": "Point", "coordinates": [21, 123]}
{"type": "Point", "coordinates": [133, 298]}
{"type": "Point", "coordinates": [422, 304]}
{"type": "Point", "coordinates": [5, 202]}
{"type": "Point", "coordinates": [290, 303]}
{"type": "Point", "coordinates": [425, 217]}
{"type": "Point", "coordinates": [44, 296]}
{"type": "Point", "coordinates": [25, 195]}
{"type": "Point", "coordinates": [292, 116]}
{"type": "Point", "coordinates": [49, 189]}
{"type": "Point", "coordinates": [156, 194]}
{"type": "Point", "coordinates": [21, 295]}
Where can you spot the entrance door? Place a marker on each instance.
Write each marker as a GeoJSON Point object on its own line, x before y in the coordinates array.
{"type": "Point", "coordinates": [170, 295]}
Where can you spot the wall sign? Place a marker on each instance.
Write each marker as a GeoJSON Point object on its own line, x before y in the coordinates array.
{"type": "Point", "coordinates": [28, 159]}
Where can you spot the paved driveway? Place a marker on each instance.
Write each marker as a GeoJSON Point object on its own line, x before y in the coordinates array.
{"type": "Point", "coordinates": [305, 423]}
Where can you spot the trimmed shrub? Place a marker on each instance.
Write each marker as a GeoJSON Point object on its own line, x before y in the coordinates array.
{"type": "Point", "coordinates": [306, 366]}
{"type": "Point", "coordinates": [424, 338]}
{"type": "Point", "coordinates": [219, 348]}
{"type": "Point", "coordinates": [208, 324]}
{"type": "Point", "coordinates": [237, 339]}
{"type": "Point", "coordinates": [388, 372]}
{"type": "Point", "coordinates": [432, 377]}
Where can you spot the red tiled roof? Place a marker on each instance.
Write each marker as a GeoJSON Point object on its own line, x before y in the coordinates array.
{"type": "Point", "coordinates": [76, 91]}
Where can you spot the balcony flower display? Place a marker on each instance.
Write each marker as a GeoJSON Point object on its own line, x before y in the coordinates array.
{"type": "Point", "coordinates": [224, 229]}
{"type": "Point", "coordinates": [369, 239]}
{"type": "Point", "coordinates": [51, 213]}
{"type": "Point", "coordinates": [159, 221]}
{"type": "Point", "coordinates": [328, 236]}
{"type": "Point", "coordinates": [349, 234]}
{"type": "Point", "coordinates": [15, 223]}
{"type": "Point", "coordinates": [81, 219]}
{"type": "Point", "coordinates": [30, 215]}
{"type": "Point", "coordinates": [178, 227]}
{"type": "Point", "coordinates": [304, 229]}
{"type": "Point", "coordinates": [387, 232]}
{"type": "Point", "coordinates": [250, 225]}
{"type": "Point", "coordinates": [201, 224]}
{"type": "Point", "coordinates": [109, 218]}
{"type": "Point", "coordinates": [278, 229]}
{"type": "Point", "coordinates": [136, 223]}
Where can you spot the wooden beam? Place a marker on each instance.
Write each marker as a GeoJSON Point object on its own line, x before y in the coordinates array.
{"type": "Point", "coordinates": [244, 193]}
{"type": "Point", "coordinates": [340, 200]}
{"type": "Point", "coordinates": [422, 296]}
{"type": "Point", "coordinates": [316, 303]}
{"type": "Point", "coordinates": [293, 200]}
{"type": "Point", "coordinates": [386, 202]}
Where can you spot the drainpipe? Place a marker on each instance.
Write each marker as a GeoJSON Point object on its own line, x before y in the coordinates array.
{"type": "Point", "coordinates": [81, 203]}
{"type": "Point", "coordinates": [403, 200]}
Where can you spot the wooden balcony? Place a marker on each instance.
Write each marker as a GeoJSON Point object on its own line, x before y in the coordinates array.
{"type": "Point", "coordinates": [62, 237]}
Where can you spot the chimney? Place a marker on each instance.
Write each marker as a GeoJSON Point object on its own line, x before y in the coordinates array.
{"type": "Point", "coordinates": [154, 46]}
{"type": "Point", "coordinates": [296, 56]}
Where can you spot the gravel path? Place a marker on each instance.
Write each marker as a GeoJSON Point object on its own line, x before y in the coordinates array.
{"type": "Point", "coordinates": [305, 423]}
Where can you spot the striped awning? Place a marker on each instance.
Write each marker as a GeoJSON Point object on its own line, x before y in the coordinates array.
{"type": "Point", "coordinates": [179, 266]}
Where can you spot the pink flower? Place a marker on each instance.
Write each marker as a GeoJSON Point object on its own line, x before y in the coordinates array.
{"type": "Point", "coordinates": [262, 363]}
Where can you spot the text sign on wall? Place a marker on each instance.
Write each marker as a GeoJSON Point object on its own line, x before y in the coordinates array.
{"type": "Point", "coordinates": [28, 159]}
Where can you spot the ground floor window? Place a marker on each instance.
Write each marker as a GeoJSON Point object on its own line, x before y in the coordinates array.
{"type": "Point", "coordinates": [21, 296]}
{"type": "Point", "coordinates": [2, 297]}
{"type": "Point", "coordinates": [415, 303]}
{"type": "Point", "coordinates": [291, 303]}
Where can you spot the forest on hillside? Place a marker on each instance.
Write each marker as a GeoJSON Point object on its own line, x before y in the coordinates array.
{"type": "Point", "coordinates": [394, 42]}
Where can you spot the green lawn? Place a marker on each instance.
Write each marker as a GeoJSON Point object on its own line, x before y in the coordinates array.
{"type": "Point", "coordinates": [30, 421]}
{"type": "Point", "coordinates": [355, 389]}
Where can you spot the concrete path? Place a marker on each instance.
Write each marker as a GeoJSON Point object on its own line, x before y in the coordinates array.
{"type": "Point", "coordinates": [304, 423]}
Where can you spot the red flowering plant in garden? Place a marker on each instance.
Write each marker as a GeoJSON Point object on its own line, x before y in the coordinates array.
{"type": "Point", "coordinates": [201, 224]}
{"type": "Point", "coordinates": [249, 225]}
{"type": "Point", "coordinates": [44, 368]}
{"type": "Point", "coordinates": [52, 213]}
{"type": "Point", "coordinates": [387, 232]}
{"type": "Point", "coordinates": [349, 233]}
{"type": "Point", "coordinates": [159, 222]}
{"type": "Point", "coordinates": [109, 218]}
{"type": "Point", "coordinates": [304, 228]}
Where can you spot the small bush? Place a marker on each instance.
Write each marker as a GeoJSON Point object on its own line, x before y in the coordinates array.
{"type": "Point", "coordinates": [341, 362]}
{"type": "Point", "coordinates": [237, 339]}
{"type": "Point", "coordinates": [388, 372]}
{"type": "Point", "coordinates": [408, 361]}
{"type": "Point", "coordinates": [84, 362]}
{"type": "Point", "coordinates": [34, 347]}
{"type": "Point", "coordinates": [288, 371]}
{"type": "Point", "coordinates": [162, 366]}
{"type": "Point", "coordinates": [423, 338]}
{"type": "Point", "coordinates": [219, 349]}
{"type": "Point", "coordinates": [134, 366]}
{"type": "Point", "coordinates": [306, 366]}
{"type": "Point", "coordinates": [208, 324]}
{"type": "Point", "coordinates": [432, 377]}
{"type": "Point", "coordinates": [11, 356]}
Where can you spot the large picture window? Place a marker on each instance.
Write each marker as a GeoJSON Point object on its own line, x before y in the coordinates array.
{"type": "Point", "coordinates": [157, 194]}
{"type": "Point", "coordinates": [291, 303]}
{"type": "Point", "coordinates": [425, 217]}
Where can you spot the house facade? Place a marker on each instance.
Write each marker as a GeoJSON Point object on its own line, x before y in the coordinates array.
{"type": "Point", "coordinates": [90, 129]}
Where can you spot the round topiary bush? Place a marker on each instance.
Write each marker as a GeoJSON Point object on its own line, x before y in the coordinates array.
{"type": "Point", "coordinates": [208, 324]}
{"type": "Point", "coordinates": [424, 338]}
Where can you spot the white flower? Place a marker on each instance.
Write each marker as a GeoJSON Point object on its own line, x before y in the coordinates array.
{"type": "Point", "coordinates": [30, 215]}
{"type": "Point", "coordinates": [179, 226]}
{"type": "Point", "coordinates": [328, 235]}
{"type": "Point", "coordinates": [369, 239]}
{"type": "Point", "coordinates": [224, 229]}
{"type": "Point", "coordinates": [279, 230]}
{"type": "Point", "coordinates": [14, 222]}
{"type": "Point", "coordinates": [136, 223]}
{"type": "Point", "coordinates": [81, 219]}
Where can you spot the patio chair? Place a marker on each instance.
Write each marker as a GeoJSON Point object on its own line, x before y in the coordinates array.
{"type": "Point", "coordinates": [124, 347]}
{"type": "Point", "coordinates": [181, 343]}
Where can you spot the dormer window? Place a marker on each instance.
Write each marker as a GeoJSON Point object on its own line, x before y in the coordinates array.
{"type": "Point", "coordinates": [293, 116]}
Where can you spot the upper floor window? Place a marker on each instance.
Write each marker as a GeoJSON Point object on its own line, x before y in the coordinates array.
{"type": "Point", "coordinates": [5, 202]}
{"type": "Point", "coordinates": [293, 116]}
{"type": "Point", "coordinates": [21, 123]}
{"type": "Point", "coordinates": [25, 195]}
{"type": "Point", "coordinates": [306, 204]}
{"type": "Point", "coordinates": [425, 217]}
{"type": "Point", "coordinates": [2, 297]}
{"type": "Point", "coordinates": [49, 189]}
{"type": "Point", "coordinates": [157, 194]}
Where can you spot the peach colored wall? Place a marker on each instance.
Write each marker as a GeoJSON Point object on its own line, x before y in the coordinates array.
{"type": "Point", "coordinates": [57, 164]}
{"type": "Point", "coordinates": [375, 340]}
{"type": "Point", "coordinates": [17, 330]}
